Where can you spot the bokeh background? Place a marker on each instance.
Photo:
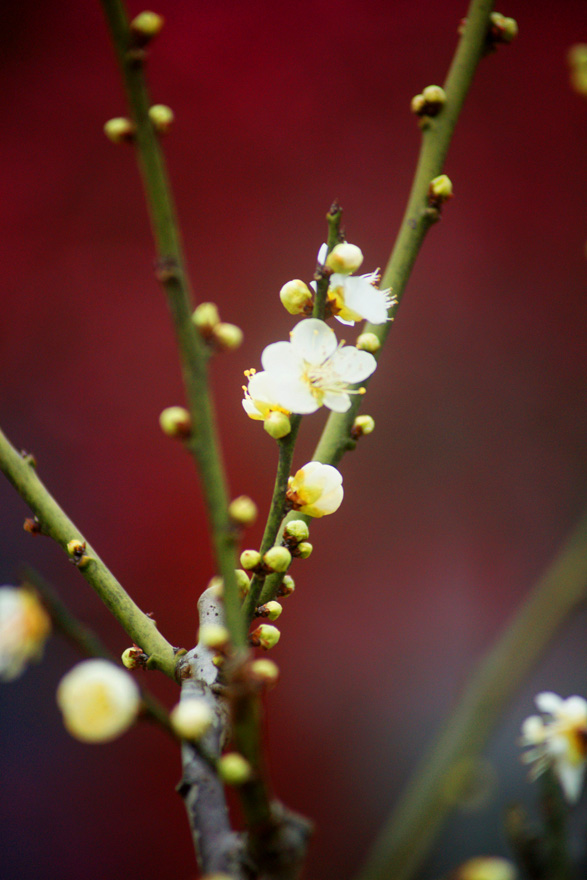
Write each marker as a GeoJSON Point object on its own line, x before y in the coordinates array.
{"type": "Point", "coordinates": [453, 507]}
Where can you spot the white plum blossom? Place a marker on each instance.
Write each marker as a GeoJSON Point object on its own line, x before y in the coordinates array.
{"type": "Point", "coordinates": [260, 396]}
{"type": "Point", "coordinates": [558, 741]}
{"type": "Point", "coordinates": [99, 701]}
{"type": "Point", "coordinates": [313, 369]}
{"type": "Point", "coordinates": [356, 298]}
{"type": "Point", "coordinates": [316, 489]}
{"type": "Point", "coordinates": [24, 627]}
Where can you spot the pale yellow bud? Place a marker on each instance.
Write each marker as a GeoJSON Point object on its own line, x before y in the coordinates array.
{"type": "Point", "coordinates": [175, 421]}
{"type": "Point", "coordinates": [296, 297]}
{"type": "Point", "coordinates": [191, 718]}
{"type": "Point", "coordinates": [434, 95]}
{"type": "Point", "coordinates": [368, 342]}
{"type": "Point", "coordinates": [441, 188]}
{"type": "Point", "coordinates": [147, 25]}
{"type": "Point", "coordinates": [99, 701]}
{"type": "Point", "coordinates": [234, 769]}
{"type": "Point", "coordinates": [161, 117]}
{"type": "Point", "coordinates": [265, 671]}
{"type": "Point", "coordinates": [277, 424]}
{"type": "Point", "coordinates": [344, 258]}
{"type": "Point", "coordinates": [227, 337]}
{"type": "Point", "coordinates": [243, 510]}
{"type": "Point", "coordinates": [250, 559]}
{"type": "Point", "coordinates": [206, 317]}
{"type": "Point", "coordinates": [265, 636]}
{"type": "Point", "coordinates": [417, 104]}
{"type": "Point", "coordinates": [242, 581]}
{"type": "Point", "coordinates": [507, 28]}
{"type": "Point", "coordinates": [363, 425]}
{"type": "Point", "coordinates": [213, 636]}
{"type": "Point", "coordinates": [297, 529]}
{"type": "Point", "coordinates": [287, 586]}
{"type": "Point", "coordinates": [271, 610]}
{"type": "Point", "coordinates": [277, 559]}
{"type": "Point", "coordinates": [487, 868]}
{"type": "Point", "coordinates": [304, 549]}
{"type": "Point", "coordinates": [130, 658]}
{"type": "Point", "coordinates": [119, 130]}
{"type": "Point", "coordinates": [76, 550]}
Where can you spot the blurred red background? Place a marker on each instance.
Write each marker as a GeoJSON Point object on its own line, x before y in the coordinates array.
{"type": "Point", "coordinates": [476, 470]}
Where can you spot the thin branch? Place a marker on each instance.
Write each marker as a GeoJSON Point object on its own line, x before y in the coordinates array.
{"type": "Point", "coordinates": [410, 831]}
{"type": "Point", "coordinates": [54, 522]}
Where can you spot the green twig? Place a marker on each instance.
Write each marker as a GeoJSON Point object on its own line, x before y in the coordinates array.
{"type": "Point", "coordinates": [410, 831]}
{"type": "Point", "coordinates": [56, 524]}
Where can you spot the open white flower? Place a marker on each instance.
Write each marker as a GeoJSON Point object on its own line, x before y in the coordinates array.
{"type": "Point", "coordinates": [316, 489]}
{"type": "Point", "coordinates": [312, 369]}
{"type": "Point", "coordinates": [99, 701]}
{"type": "Point", "coordinates": [24, 627]}
{"type": "Point", "coordinates": [558, 741]}
{"type": "Point", "coordinates": [260, 396]}
{"type": "Point", "coordinates": [356, 298]}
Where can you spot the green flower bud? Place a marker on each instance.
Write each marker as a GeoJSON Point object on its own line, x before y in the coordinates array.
{"type": "Point", "coordinates": [265, 671]}
{"type": "Point", "coordinates": [297, 529]}
{"type": "Point", "coordinates": [296, 297]}
{"type": "Point", "coordinates": [227, 337]}
{"type": "Point", "coordinates": [243, 510]}
{"type": "Point", "coordinates": [368, 342]}
{"type": "Point", "coordinates": [287, 586]}
{"type": "Point", "coordinates": [213, 636]}
{"type": "Point", "coordinates": [191, 718]}
{"type": "Point", "coordinates": [277, 424]}
{"type": "Point", "coordinates": [265, 636]}
{"type": "Point", "coordinates": [234, 769]}
{"type": "Point", "coordinates": [277, 559]}
{"type": "Point", "coordinates": [362, 425]}
{"type": "Point", "coordinates": [434, 95]}
{"type": "Point", "coordinates": [130, 658]}
{"type": "Point", "coordinates": [271, 610]}
{"type": "Point", "coordinates": [119, 130]}
{"type": "Point", "coordinates": [206, 317]}
{"type": "Point", "coordinates": [504, 29]}
{"type": "Point", "coordinates": [441, 188]}
{"type": "Point", "coordinates": [161, 117]}
{"type": "Point", "coordinates": [417, 105]}
{"type": "Point", "coordinates": [175, 421]}
{"type": "Point", "coordinates": [486, 868]}
{"type": "Point", "coordinates": [242, 581]}
{"type": "Point", "coordinates": [146, 25]}
{"type": "Point", "coordinates": [304, 549]}
{"type": "Point", "coordinates": [250, 559]}
{"type": "Point", "coordinates": [344, 258]}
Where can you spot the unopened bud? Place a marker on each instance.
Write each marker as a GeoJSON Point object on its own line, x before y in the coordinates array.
{"type": "Point", "coordinates": [296, 297]}
{"type": "Point", "coordinates": [440, 189]}
{"type": "Point", "coordinates": [161, 117]}
{"type": "Point", "coordinates": [206, 317]}
{"type": "Point", "coordinates": [277, 559]}
{"type": "Point", "coordinates": [146, 25]}
{"type": "Point", "coordinates": [131, 658]}
{"type": "Point", "coordinates": [265, 671]}
{"type": "Point", "coordinates": [191, 718]}
{"type": "Point", "coordinates": [486, 868]}
{"type": "Point", "coordinates": [119, 130]}
{"type": "Point", "coordinates": [243, 510]}
{"type": "Point", "coordinates": [362, 425]}
{"type": "Point", "coordinates": [77, 552]}
{"type": "Point", "coordinates": [213, 636]}
{"type": "Point", "coordinates": [304, 549]}
{"type": "Point", "coordinates": [242, 582]}
{"type": "Point", "coordinates": [277, 424]}
{"type": "Point", "coordinates": [234, 769]}
{"type": "Point", "coordinates": [368, 342]}
{"type": "Point", "coordinates": [250, 559]}
{"type": "Point", "coordinates": [175, 421]}
{"type": "Point", "coordinates": [503, 29]}
{"type": "Point", "coordinates": [344, 258]}
{"type": "Point", "coordinates": [417, 105]}
{"type": "Point", "coordinates": [297, 529]}
{"type": "Point", "coordinates": [271, 610]}
{"type": "Point", "coordinates": [287, 586]}
{"type": "Point", "coordinates": [265, 636]}
{"type": "Point", "coordinates": [434, 95]}
{"type": "Point", "coordinates": [227, 337]}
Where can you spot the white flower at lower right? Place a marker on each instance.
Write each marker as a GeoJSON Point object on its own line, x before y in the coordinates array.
{"type": "Point", "coordinates": [558, 740]}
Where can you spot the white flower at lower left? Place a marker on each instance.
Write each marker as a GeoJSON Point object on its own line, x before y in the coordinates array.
{"type": "Point", "coordinates": [99, 701]}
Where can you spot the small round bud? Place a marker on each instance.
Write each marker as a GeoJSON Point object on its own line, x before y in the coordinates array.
{"type": "Point", "coordinates": [175, 421]}
{"type": "Point", "coordinates": [242, 581]}
{"type": "Point", "coordinates": [503, 29]}
{"type": "Point", "coordinates": [119, 130]}
{"type": "Point", "coordinates": [250, 559]}
{"type": "Point", "coordinates": [434, 95]}
{"type": "Point", "coordinates": [75, 548]}
{"type": "Point", "coordinates": [368, 342]}
{"type": "Point", "coordinates": [417, 105]}
{"type": "Point", "coordinates": [344, 258]}
{"type": "Point", "coordinates": [265, 671]}
{"type": "Point", "coordinates": [277, 424]}
{"type": "Point", "coordinates": [243, 510]}
{"type": "Point", "coordinates": [130, 658]}
{"type": "Point", "coordinates": [161, 117]}
{"type": "Point", "coordinates": [297, 529]}
{"type": "Point", "coordinates": [146, 25]}
{"type": "Point", "coordinates": [265, 636]}
{"type": "Point", "coordinates": [486, 868]}
{"type": "Point", "coordinates": [206, 317]}
{"type": "Point", "coordinates": [271, 610]}
{"type": "Point", "coordinates": [214, 636]}
{"type": "Point", "coordinates": [277, 559]}
{"type": "Point", "coordinates": [234, 769]}
{"type": "Point", "coordinates": [287, 586]}
{"type": "Point", "coordinates": [227, 337]}
{"type": "Point", "coordinates": [304, 549]}
{"type": "Point", "coordinates": [296, 297]}
{"type": "Point", "coordinates": [441, 189]}
{"type": "Point", "coordinates": [191, 718]}
{"type": "Point", "coordinates": [363, 425]}
{"type": "Point", "coordinates": [216, 584]}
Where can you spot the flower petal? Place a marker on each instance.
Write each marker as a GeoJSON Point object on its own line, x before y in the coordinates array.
{"type": "Point", "coordinates": [353, 365]}
{"type": "Point", "coordinates": [313, 340]}
{"type": "Point", "coordinates": [280, 357]}
{"type": "Point", "coordinates": [337, 401]}
{"type": "Point", "coordinates": [548, 702]}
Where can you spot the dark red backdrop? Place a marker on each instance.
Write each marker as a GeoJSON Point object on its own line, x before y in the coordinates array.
{"type": "Point", "coordinates": [453, 507]}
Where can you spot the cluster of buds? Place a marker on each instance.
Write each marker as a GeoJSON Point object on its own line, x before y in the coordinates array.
{"type": "Point", "coordinates": [295, 538]}
{"type": "Point", "coordinates": [430, 102]}
{"type": "Point", "coordinates": [276, 559]}
{"type": "Point", "coordinates": [217, 334]}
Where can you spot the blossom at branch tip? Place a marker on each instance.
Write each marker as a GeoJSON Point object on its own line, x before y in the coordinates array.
{"type": "Point", "coordinates": [24, 628]}
{"type": "Point", "coordinates": [313, 369]}
{"type": "Point", "coordinates": [316, 489]}
{"type": "Point", "coordinates": [99, 701]}
{"type": "Point", "coordinates": [558, 741]}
